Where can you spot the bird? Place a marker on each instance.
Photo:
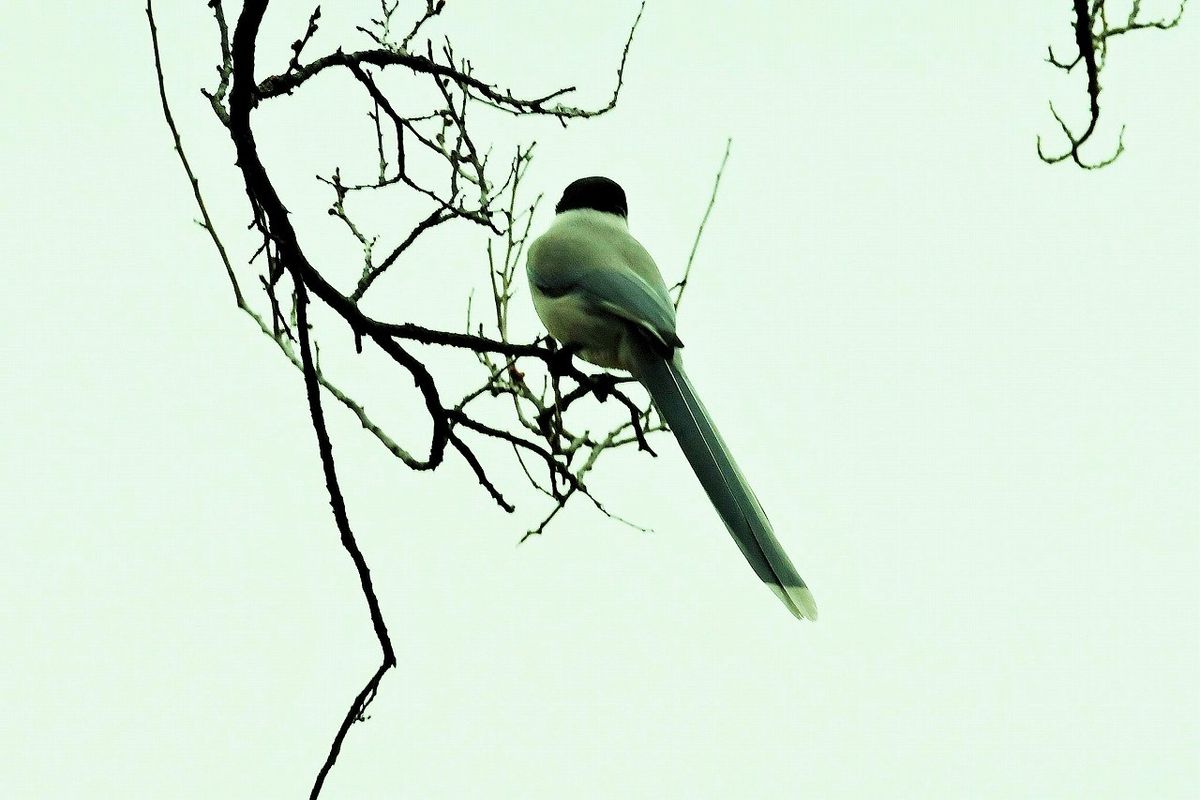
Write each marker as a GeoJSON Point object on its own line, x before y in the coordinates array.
{"type": "Point", "coordinates": [601, 296]}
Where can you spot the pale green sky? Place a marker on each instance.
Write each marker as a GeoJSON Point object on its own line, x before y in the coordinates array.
{"type": "Point", "coordinates": [963, 383]}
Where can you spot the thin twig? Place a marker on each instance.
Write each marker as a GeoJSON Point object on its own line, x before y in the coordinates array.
{"type": "Point", "coordinates": [712, 201]}
{"type": "Point", "coordinates": [206, 220]}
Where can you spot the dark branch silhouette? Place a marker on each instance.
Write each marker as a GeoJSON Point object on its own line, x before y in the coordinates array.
{"type": "Point", "coordinates": [338, 504]}
{"type": "Point", "coordinates": [1092, 34]}
{"type": "Point", "coordinates": [539, 382]}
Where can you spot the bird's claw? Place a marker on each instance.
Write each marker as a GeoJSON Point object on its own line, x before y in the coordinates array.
{"type": "Point", "coordinates": [559, 364]}
{"type": "Point", "coordinates": [603, 385]}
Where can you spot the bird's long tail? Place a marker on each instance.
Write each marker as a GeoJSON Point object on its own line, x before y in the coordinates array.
{"type": "Point", "coordinates": [728, 489]}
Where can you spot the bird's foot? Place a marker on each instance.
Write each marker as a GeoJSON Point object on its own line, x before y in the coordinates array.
{"type": "Point", "coordinates": [603, 385]}
{"type": "Point", "coordinates": [559, 364]}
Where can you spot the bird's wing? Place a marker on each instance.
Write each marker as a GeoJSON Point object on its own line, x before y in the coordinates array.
{"type": "Point", "coordinates": [601, 280]}
{"type": "Point", "coordinates": [627, 295]}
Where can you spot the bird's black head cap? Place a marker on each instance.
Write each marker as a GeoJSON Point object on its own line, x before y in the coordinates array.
{"type": "Point", "coordinates": [597, 193]}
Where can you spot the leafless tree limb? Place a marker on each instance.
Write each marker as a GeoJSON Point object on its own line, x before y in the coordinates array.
{"type": "Point", "coordinates": [1092, 34]}
{"type": "Point", "coordinates": [538, 381]}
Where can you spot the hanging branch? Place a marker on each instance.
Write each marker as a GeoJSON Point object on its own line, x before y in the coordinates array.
{"type": "Point", "coordinates": [338, 504]}
{"type": "Point", "coordinates": [1092, 34]}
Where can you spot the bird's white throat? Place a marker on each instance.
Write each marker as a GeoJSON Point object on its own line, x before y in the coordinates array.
{"type": "Point", "coordinates": [593, 216]}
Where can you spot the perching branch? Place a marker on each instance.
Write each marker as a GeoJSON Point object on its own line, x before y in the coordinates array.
{"type": "Point", "coordinates": [539, 385]}
{"type": "Point", "coordinates": [1092, 34]}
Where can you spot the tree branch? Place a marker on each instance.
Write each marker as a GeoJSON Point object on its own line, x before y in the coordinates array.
{"type": "Point", "coordinates": [1092, 34]}
{"type": "Point", "coordinates": [338, 504]}
{"type": "Point", "coordinates": [475, 194]}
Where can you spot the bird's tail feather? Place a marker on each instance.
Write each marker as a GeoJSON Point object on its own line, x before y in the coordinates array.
{"type": "Point", "coordinates": [731, 495]}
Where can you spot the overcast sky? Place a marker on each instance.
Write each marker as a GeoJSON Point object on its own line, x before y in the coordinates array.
{"type": "Point", "coordinates": [964, 384]}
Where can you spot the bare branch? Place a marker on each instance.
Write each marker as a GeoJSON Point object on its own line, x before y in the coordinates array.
{"type": "Point", "coordinates": [712, 201]}
{"type": "Point", "coordinates": [370, 275]}
{"type": "Point", "coordinates": [338, 505]}
{"type": "Point", "coordinates": [538, 380]}
{"type": "Point", "coordinates": [299, 44]}
{"type": "Point", "coordinates": [224, 70]}
{"type": "Point", "coordinates": [432, 9]}
{"type": "Point", "coordinates": [480, 474]}
{"type": "Point", "coordinates": [488, 93]}
{"type": "Point", "coordinates": [1092, 35]}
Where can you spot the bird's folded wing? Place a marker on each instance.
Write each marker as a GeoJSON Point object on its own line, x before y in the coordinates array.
{"type": "Point", "coordinates": [620, 292]}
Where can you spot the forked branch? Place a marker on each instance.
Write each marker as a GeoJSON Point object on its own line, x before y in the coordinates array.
{"type": "Point", "coordinates": [1093, 32]}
